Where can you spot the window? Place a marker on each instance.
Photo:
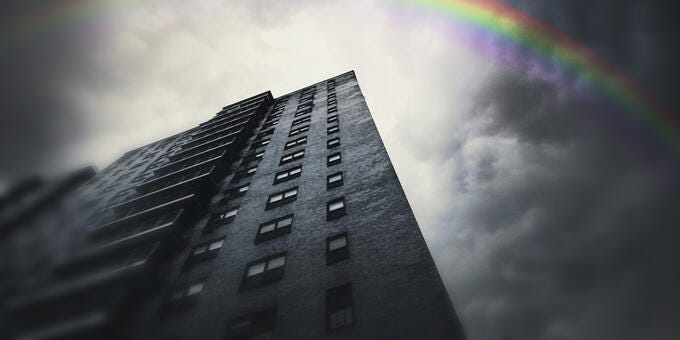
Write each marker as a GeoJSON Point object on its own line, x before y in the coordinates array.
{"type": "Point", "coordinates": [260, 143]}
{"type": "Point", "coordinates": [295, 142]}
{"type": "Point", "coordinates": [303, 111]}
{"type": "Point", "coordinates": [288, 174]}
{"type": "Point", "coordinates": [331, 143]}
{"type": "Point", "coordinates": [255, 326]}
{"type": "Point", "coordinates": [221, 218]}
{"type": "Point", "coordinates": [339, 307]}
{"type": "Point", "coordinates": [185, 295]}
{"type": "Point", "coordinates": [335, 208]}
{"type": "Point", "coordinates": [333, 129]}
{"type": "Point", "coordinates": [332, 102]}
{"type": "Point", "coordinates": [265, 133]}
{"type": "Point", "coordinates": [291, 157]}
{"type": "Point", "coordinates": [239, 191]}
{"type": "Point", "coordinates": [333, 109]}
{"type": "Point", "coordinates": [332, 119]}
{"type": "Point", "coordinates": [282, 197]}
{"type": "Point", "coordinates": [245, 173]}
{"type": "Point", "coordinates": [264, 271]}
{"type": "Point", "coordinates": [333, 159]}
{"type": "Point", "coordinates": [274, 228]}
{"type": "Point", "coordinates": [254, 156]}
{"type": "Point", "coordinates": [205, 251]}
{"type": "Point", "coordinates": [301, 120]}
{"type": "Point", "coordinates": [337, 248]}
{"type": "Point", "coordinates": [298, 130]}
{"type": "Point", "coordinates": [270, 124]}
{"type": "Point", "coordinates": [335, 180]}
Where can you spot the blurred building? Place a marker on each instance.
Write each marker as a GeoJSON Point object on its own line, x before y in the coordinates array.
{"type": "Point", "coordinates": [276, 219]}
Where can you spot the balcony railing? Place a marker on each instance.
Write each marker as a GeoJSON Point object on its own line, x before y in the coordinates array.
{"type": "Point", "coordinates": [208, 155]}
{"type": "Point", "coordinates": [82, 284]}
{"type": "Point", "coordinates": [113, 254]}
{"type": "Point", "coordinates": [224, 127]}
{"type": "Point", "coordinates": [191, 202]}
{"type": "Point", "coordinates": [226, 119]}
{"type": "Point", "coordinates": [186, 153]}
{"type": "Point", "coordinates": [264, 95]}
{"type": "Point", "coordinates": [220, 133]}
{"type": "Point", "coordinates": [202, 184]}
{"type": "Point", "coordinates": [177, 176]}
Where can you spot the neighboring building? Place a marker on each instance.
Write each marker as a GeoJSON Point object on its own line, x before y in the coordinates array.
{"type": "Point", "coordinates": [276, 219]}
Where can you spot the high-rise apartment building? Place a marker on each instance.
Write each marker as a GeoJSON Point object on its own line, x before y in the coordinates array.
{"type": "Point", "coordinates": [276, 219]}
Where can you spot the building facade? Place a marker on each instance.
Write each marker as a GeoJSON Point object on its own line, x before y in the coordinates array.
{"type": "Point", "coordinates": [279, 218]}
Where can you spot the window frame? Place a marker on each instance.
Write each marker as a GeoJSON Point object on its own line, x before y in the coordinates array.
{"type": "Point", "coordinates": [333, 143]}
{"type": "Point", "coordinates": [331, 185]}
{"type": "Point", "coordinates": [267, 276]}
{"type": "Point", "coordinates": [289, 176]}
{"type": "Point", "coordinates": [255, 324]}
{"type": "Point", "coordinates": [339, 299]}
{"type": "Point", "coordinates": [206, 254]}
{"type": "Point", "coordinates": [330, 162]}
{"type": "Point", "coordinates": [277, 232]}
{"type": "Point", "coordinates": [336, 213]}
{"type": "Point", "coordinates": [295, 142]}
{"type": "Point", "coordinates": [294, 156]}
{"type": "Point", "coordinates": [339, 254]}
{"type": "Point", "coordinates": [298, 130]}
{"type": "Point", "coordinates": [283, 200]}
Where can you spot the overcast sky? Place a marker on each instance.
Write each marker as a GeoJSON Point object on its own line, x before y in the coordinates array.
{"type": "Point", "coordinates": [549, 213]}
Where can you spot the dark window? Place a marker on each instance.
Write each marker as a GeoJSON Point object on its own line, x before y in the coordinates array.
{"type": "Point", "coordinates": [333, 159]}
{"type": "Point", "coordinates": [274, 228]}
{"type": "Point", "coordinates": [333, 129]}
{"type": "Point", "coordinates": [263, 271]}
{"type": "Point", "coordinates": [239, 191]}
{"type": "Point", "coordinates": [254, 156]}
{"type": "Point", "coordinates": [301, 120]}
{"type": "Point", "coordinates": [339, 307]}
{"type": "Point", "coordinates": [335, 208]}
{"type": "Point", "coordinates": [255, 326]}
{"type": "Point", "coordinates": [205, 251]}
{"type": "Point", "coordinates": [295, 142]}
{"type": "Point", "coordinates": [335, 180]}
{"type": "Point", "coordinates": [332, 119]}
{"type": "Point", "coordinates": [333, 109]}
{"type": "Point", "coordinates": [331, 143]}
{"type": "Point", "coordinates": [337, 248]}
{"type": "Point", "coordinates": [245, 173]}
{"type": "Point", "coordinates": [288, 174]}
{"type": "Point", "coordinates": [303, 111]}
{"type": "Point", "coordinates": [270, 124]}
{"type": "Point", "coordinates": [298, 131]}
{"type": "Point", "coordinates": [265, 133]}
{"type": "Point", "coordinates": [291, 157]}
{"type": "Point", "coordinates": [185, 295]}
{"type": "Point", "coordinates": [221, 218]}
{"type": "Point", "coordinates": [282, 197]}
{"type": "Point", "coordinates": [260, 143]}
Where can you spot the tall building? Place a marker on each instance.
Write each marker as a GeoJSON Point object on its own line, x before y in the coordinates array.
{"type": "Point", "coordinates": [276, 219]}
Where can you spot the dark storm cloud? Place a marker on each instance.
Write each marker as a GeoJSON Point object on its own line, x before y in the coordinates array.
{"type": "Point", "coordinates": [575, 237]}
{"type": "Point", "coordinates": [638, 36]}
{"type": "Point", "coordinates": [584, 234]}
{"type": "Point", "coordinates": [38, 118]}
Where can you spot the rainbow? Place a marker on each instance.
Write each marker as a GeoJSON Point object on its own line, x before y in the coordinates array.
{"type": "Point", "coordinates": [523, 30]}
{"type": "Point", "coordinates": [490, 16]}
